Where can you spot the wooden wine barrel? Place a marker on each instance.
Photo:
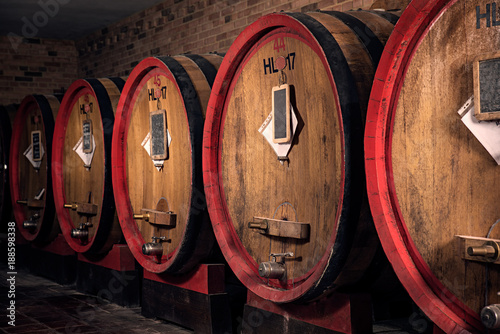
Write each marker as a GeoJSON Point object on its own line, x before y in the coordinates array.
{"type": "Point", "coordinates": [7, 114]}
{"type": "Point", "coordinates": [160, 201]}
{"type": "Point", "coordinates": [429, 179]}
{"type": "Point", "coordinates": [30, 166]}
{"type": "Point", "coordinates": [294, 226]}
{"type": "Point", "coordinates": [81, 174]}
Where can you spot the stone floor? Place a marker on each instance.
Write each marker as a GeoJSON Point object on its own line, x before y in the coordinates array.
{"type": "Point", "coordinates": [43, 306]}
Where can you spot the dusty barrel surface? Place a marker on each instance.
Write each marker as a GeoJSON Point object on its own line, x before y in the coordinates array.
{"type": "Point", "coordinates": [7, 114]}
{"type": "Point", "coordinates": [81, 172]}
{"type": "Point", "coordinates": [30, 168]}
{"type": "Point", "coordinates": [283, 152]}
{"type": "Point", "coordinates": [157, 174]}
{"type": "Point", "coordinates": [433, 187]}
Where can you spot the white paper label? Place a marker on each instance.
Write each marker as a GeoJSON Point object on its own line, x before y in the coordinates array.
{"type": "Point", "coordinates": [86, 157]}
{"type": "Point", "coordinates": [487, 132]}
{"type": "Point", "coordinates": [146, 143]}
{"type": "Point", "coordinates": [266, 129]}
{"type": "Point", "coordinates": [28, 153]}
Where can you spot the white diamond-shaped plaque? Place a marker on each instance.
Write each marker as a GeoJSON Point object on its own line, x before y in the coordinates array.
{"type": "Point", "coordinates": [146, 143]}
{"type": "Point", "coordinates": [86, 157]}
{"type": "Point", "coordinates": [28, 153]}
{"type": "Point", "coordinates": [266, 129]}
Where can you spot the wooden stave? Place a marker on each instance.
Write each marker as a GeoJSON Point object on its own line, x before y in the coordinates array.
{"type": "Point", "coordinates": [439, 303]}
{"type": "Point", "coordinates": [225, 233]}
{"type": "Point", "coordinates": [48, 106]}
{"type": "Point", "coordinates": [198, 239]}
{"type": "Point", "coordinates": [108, 231]}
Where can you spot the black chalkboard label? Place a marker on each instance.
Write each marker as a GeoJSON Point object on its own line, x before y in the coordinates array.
{"type": "Point", "coordinates": [281, 114]}
{"type": "Point", "coordinates": [487, 87]}
{"type": "Point", "coordinates": [36, 144]}
{"type": "Point", "coordinates": [87, 136]}
{"type": "Point", "coordinates": [158, 130]}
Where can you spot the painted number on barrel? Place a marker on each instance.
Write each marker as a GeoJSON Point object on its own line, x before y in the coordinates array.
{"type": "Point", "coordinates": [36, 145]}
{"type": "Point", "coordinates": [279, 43]}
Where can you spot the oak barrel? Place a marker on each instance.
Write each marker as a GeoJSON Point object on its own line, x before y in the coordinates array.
{"type": "Point", "coordinates": [433, 187]}
{"type": "Point", "coordinates": [157, 176]}
{"type": "Point", "coordinates": [30, 167]}
{"type": "Point", "coordinates": [81, 161]}
{"type": "Point", "coordinates": [287, 198]}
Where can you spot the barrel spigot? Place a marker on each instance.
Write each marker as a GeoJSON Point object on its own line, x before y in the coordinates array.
{"type": "Point", "coordinates": [274, 269]}
{"type": "Point", "coordinates": [32, 222]}
{"type": "Point", "coordinates": [490, 316]}
{"type": "Point", "coordinates": [82, 232]}
{"type": "Point", "coordinates": [154, 248]}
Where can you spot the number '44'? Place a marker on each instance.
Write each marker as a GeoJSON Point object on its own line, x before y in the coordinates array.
{"type": "Point", "coordinates": [279, 43]}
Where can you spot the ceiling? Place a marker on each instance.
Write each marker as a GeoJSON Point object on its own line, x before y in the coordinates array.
{"type": "Point", "coordinates": [64, 19]}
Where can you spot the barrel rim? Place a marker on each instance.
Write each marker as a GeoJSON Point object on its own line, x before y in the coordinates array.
{"type": "Point", "coordinates": [75, 91]}
{"type": "Point", "coordinates": [437, 302]}
{"type": "Point", "coordinates": [48, 216]}
{"type": "Point", "coordinates": [175, 260]}
{"type": "Point", "coordinates": [224, 230]}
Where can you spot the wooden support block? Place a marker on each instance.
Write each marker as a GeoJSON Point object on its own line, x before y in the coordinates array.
{"type": "Point", "coordinates": [337, 313]}
{"type": "Point", "coordinates": [56, 261]}
{"type": "Point", "coordinates": [179, 299]}
{"type": "Point", "coordinates": [113, 277]}
{"type": "Point", "coordinates": [280, 228]}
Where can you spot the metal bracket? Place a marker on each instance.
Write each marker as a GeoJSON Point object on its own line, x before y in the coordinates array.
{"type": "Point", "coordinates": [479, 249]}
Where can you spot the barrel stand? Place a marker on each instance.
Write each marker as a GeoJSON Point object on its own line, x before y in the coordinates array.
{"type": "Point", "coordinates": [56, 261]}
{"type": "Point", "coordinates": [114, 277]}
{"type": "Point", "coordinates": [196, 300]}
{"type": "Point", "coordinates": [336, 313]}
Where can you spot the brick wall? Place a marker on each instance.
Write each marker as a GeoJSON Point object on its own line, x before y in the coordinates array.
{"type": "Point", "coordinates": [182, 26]}
{"type": "Point", "coordinates": [172, 27]}
{"type": "Point", "coordinates": [35, 66]}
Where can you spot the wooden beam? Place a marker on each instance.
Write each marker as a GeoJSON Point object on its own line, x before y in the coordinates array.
{"type": "Point", "coordinates": [280, 228]}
